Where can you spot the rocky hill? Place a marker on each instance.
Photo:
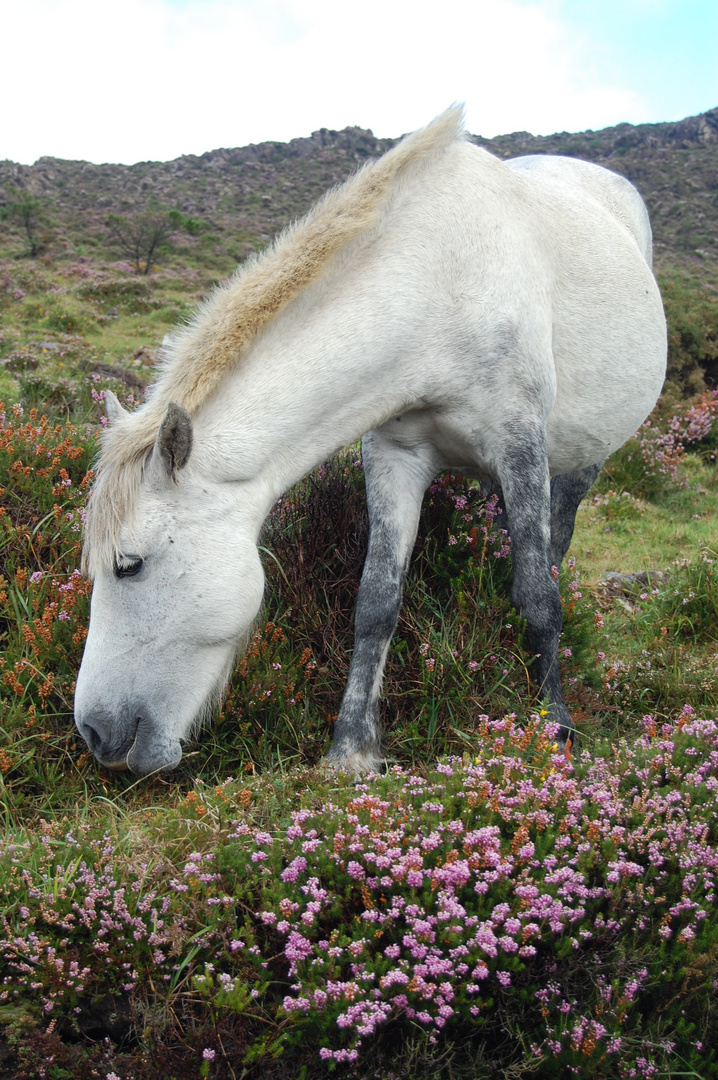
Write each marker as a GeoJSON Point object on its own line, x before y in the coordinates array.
{"type": "Point", "coordinates": [245, 195]}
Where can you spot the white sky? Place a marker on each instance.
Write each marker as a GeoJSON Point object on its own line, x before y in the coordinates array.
{"type": "Point", "coordinates": [153, 79]}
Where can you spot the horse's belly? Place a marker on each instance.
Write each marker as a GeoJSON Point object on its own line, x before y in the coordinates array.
{"type": "Point", "coordinates": [592, 421]}
{"type": "Point", "coordinates": [604, 394]}
{"type": "Point", "coordinates": [572, 447]}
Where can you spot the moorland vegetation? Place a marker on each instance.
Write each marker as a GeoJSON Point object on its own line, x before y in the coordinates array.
{"type": "Point", "coordinates": [488, 907]}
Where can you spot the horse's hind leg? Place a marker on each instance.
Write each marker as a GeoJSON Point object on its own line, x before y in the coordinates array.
{"type": "Point", "coordinates": [523, 473]}
{"type": "Point", "coordinates": [566, 494]}
{"type": "Point", "coordinates": [396, 479]}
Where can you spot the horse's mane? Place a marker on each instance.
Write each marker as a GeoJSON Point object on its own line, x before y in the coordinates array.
{"type": "Point", "coordinates": [211, 346]}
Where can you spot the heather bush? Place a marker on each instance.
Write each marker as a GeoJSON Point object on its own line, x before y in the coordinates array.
{"type": "Point", "coordinates": [53, 378]}
{"type": "Point", "coordinates": [687, 604]}
{"type": "Point", "coordinates": [45, 470]}
{"type": "Point", "coordinates": [104, 287]}
{"type": "Point", "coordinates": [120, 294]}
{"type": "Point", "coordinates": [49, 315]}
{"type": "Point", "coordinates": [265, 714]}
{"type": "Point", "coordinates": [619, 509]}
{"type": "Point", "coordinates": [543, 916]}
{"type": "Point", "coordinates": [653, 458]}
{"type": "Point", "coordinates": [63, 395]}
{"type": "Point", "coordinates": [692, 316]}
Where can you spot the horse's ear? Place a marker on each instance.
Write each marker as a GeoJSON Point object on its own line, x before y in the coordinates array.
{"type": "Point", "coordinates": [174, 439]}
{"type": "Point", "coordinates": [115, 411]}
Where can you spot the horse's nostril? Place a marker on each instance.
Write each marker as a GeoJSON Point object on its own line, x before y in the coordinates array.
{"type": "Point", "coordinates": [107, 736]}
{"type": "Point", "coordinates": [92, 738]}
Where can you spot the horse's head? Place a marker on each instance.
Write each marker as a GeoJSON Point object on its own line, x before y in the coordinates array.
{"type": "Point", "coordinates": [170, 610]}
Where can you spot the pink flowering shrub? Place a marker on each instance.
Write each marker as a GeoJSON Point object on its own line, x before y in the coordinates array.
{"type": "Point", "coordinates": [515, 882]}
{"type": "Point", "coordinates": [654, 456]}
{"type": "Point", "coordinates": [570, 903]}
{"type": "Point", "coordinates": [477, 528]}
{"type": "Point", "coordinates": [663, 445]}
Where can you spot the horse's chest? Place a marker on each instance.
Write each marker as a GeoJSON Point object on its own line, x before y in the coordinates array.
{"type": "Point", "coordinates": [454, 446]}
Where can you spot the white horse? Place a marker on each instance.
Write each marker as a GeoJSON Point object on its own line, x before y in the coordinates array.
{"type": "Point", "coordinates": [498, 319]}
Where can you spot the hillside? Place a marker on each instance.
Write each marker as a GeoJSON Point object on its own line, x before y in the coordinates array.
{"type": "Point", "coordinates": [245, 195]}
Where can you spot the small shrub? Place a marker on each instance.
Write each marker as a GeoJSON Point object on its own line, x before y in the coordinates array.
{"type": "Point", "coordinates": [617, 509]}
{"type": "Point", "coordinates": [50, 316]}
{"type": "Point", "coordinates": [650, 461]}
{"type": "Point", "coordinates": [692, 317]}
{"type": "Point", "coordinates": [43, 599]}
{"type": "Point", "coordinates": [132, 295]}
{"type": "Point", "coordinates": [47, 393]}
{"type": "Point", "coordinates": [687, 604]}
{"type": "Point", "coordinates": [265, 710]}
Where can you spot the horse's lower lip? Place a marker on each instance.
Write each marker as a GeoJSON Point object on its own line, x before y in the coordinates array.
{"type": "Point", "coordinates": [116, 766]}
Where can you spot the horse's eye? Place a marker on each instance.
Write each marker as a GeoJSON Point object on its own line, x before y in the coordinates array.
{"type": "Point", "coordinates": [128, 565]}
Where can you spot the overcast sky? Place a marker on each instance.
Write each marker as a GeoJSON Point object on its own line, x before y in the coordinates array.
{"type": "Point", "coordinates": [128, 81]}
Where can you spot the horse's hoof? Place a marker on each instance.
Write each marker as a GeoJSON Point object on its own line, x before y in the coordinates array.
{"type": "Point", "coordinates": [357, 764]}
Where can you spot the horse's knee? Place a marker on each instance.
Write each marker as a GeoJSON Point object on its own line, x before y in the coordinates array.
{"type": "Point", "coordinates": [539, 604]}
{"type": "Point", "coordinates": [376, 616]}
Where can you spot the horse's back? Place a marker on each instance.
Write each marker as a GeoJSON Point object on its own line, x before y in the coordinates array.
{"type": "Point", "coordinates": [614, 192]}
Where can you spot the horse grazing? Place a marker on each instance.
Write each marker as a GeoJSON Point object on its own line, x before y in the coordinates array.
{"type": "Point", "coordinates": [497, 319]}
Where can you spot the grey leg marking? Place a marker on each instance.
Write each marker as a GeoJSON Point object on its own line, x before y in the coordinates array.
{"type": "Point", "coordinates": [567, 491]}
{"type": "Point", "coordinates": [396, 480]}
{"type": "Point", "coordinates": [524, 477]}
{"type": "Point", "coordinates": [566, 494]}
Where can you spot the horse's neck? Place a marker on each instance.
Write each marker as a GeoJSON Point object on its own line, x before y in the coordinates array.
{"type": "Point", "coordinates": [323, 374]}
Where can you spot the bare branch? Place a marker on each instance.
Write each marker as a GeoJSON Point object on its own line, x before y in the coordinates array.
{"type": "Point", "coordinates": [140, 237]}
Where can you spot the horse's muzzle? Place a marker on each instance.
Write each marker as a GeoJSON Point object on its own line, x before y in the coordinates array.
{"type": "Point", "coordinates": [109, 741]}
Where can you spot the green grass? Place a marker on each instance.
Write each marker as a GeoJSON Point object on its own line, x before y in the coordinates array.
{"type": "Point", "coordinates": [625, 534]}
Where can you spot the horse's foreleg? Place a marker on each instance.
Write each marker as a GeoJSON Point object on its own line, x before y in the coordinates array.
{"type": "Point", "coordinates": [396, 479]}
{"type": "Point", "coordinates": [566, 494]}
{"type": "Point", "coordinates": [524, 477]}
